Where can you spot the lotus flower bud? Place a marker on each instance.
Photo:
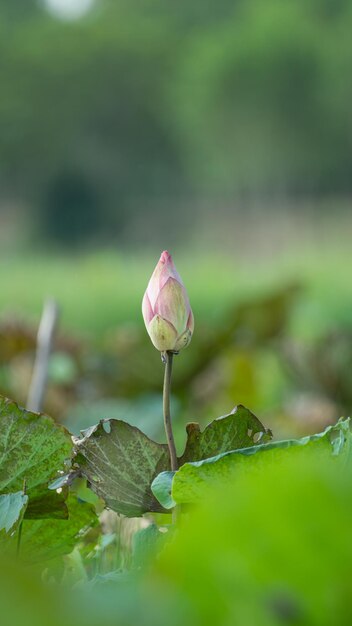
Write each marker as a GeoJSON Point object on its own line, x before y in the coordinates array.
{"type": "Point", "coordinates": [166, 309]}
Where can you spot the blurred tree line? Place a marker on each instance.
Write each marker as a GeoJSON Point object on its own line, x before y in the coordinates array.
{"type": "Point", "coordinates": [142, 105]}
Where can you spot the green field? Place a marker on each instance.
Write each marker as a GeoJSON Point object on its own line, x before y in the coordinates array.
{"type": "Point", "coordinates": [97, 291]}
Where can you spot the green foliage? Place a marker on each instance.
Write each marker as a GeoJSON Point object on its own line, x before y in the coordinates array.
{"type": "Point", "coordinates": [192, 481]}
{"type": "Point", "coordinates": [266, 547]}
{"type": "Point", "coordinates": [239, 429]}
{"type": "Point", "coordinates": [259, 543]}
{"type": "Point", "coordinates": [25, 601]}
{"type": "Point", "coordinates": [147, 542]}
{"type": "Point", "coordinates": [32, 450]}
{"type": "Point", "coordinates": [259, 546]}
{"type": "Point", "coordinates": [46, 539]}
{"type": "Point", "coordinates": [120, 462]}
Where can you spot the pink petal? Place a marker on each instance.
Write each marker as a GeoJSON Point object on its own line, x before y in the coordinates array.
{"type": "Point", "coordinates": [164, 270]}
{"type": "Point", "coordinates": [190, 322]}
{"type": "Point", "coordinates": [147, 310]}
{"type": "Point", "coordinates": [172, 304]}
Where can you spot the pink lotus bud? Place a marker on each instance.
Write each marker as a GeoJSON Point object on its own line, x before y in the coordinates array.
{"type": "Point", "coordinates": [166, 309]}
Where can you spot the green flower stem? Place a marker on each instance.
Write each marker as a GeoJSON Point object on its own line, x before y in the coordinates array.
{"type": "Point", "coordinates": [168, 357]}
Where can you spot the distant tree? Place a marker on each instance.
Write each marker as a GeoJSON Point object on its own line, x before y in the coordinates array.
{"type": "Point", "coordinates": [71, 211]}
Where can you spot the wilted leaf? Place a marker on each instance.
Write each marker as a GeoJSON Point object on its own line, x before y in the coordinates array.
{"type": "Point", "coordinates": [12, 508]}
{"type": "Point", "coordinates": [120, 462]}
{"type": "Point", "coordinates": [191, 482]}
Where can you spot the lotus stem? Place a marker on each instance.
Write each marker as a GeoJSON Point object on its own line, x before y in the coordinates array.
{"type": "Point", "coordinates": [168, 358]}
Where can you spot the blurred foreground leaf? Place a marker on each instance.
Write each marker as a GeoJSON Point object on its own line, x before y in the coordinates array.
{"type": "Point", "coordinates": [192, 481]}
{"type": "Point", "coordinates": [278, 553]}
{"type": "Point", "coordinates": [120, 462]}
{"type": "Point", "coordinates": [269, 548]}
{"type": "Point", "coordinates": [145, 544]}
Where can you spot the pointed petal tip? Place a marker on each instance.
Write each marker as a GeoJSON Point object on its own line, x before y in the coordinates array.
{"type": "Point", "coordinates": [165, 257]}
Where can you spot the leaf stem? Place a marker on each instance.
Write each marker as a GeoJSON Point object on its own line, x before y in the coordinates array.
{"type": "Point", "coordinates": [167, 413]}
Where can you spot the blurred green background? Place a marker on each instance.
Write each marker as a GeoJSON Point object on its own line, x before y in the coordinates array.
{"type": "Point", "coordinates": [221, 132]}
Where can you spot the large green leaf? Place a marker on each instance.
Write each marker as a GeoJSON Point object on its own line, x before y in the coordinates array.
{"type": "Point", "coordinates": [269, 547]}
{"type": "Point", "coordinates": [120, 462]}
{"type": "Point", "coordinates": [32, 450]}
{"type": "Point", "coordinates": [191, 482]}
{"type": "Point", "coordinates": [12, 508]}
